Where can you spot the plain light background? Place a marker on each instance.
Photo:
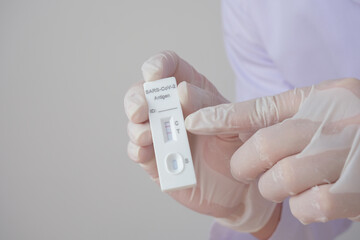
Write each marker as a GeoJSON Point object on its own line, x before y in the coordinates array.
{"type": "Point", "coordinates": [64, 69]}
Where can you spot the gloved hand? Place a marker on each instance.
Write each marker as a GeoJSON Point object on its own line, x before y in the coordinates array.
{"type": "Point", "coordinates": [308, 146]}
{"type": "Point", "coordinates": [217, 193]}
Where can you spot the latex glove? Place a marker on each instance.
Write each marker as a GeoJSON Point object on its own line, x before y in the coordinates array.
{"type": "Point", "coordinates": [217, 193]}
{"type": "Point", "coordinates": [308, 146]}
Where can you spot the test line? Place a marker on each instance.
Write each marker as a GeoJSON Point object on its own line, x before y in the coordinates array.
{"type": "Point", "coordinates": [168, 109]}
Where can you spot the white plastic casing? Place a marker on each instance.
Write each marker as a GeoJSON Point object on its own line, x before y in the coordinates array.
{"type": "Point", "coordinates": [172, 151]}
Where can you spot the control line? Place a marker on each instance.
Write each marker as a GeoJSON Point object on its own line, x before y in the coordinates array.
{"type": "Point", "coordinates": [168, 109]}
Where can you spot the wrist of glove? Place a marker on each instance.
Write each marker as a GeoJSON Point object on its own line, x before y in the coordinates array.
{"type": "Point", "coordinates": [253, 214]}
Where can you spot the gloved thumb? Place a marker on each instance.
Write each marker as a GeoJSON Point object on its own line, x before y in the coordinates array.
{"type": "Point", "coordinates": [169, 64]}
{"type": "Point", "coordinates": [245, 117]}
{"type": "Point", "coordinates": [159, 66]}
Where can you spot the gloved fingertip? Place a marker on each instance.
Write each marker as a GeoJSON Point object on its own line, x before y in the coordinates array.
{"type": "Point", "coordinates": [233, 170]}
{"type": "Point", "coordinates": [203, 122]}
{"type": "Point", "coordinates": [183, 92]}
{"type": "Point", "coordinates": [135, 111]}
{"type": "Point", "coordinates": [183, 89]}
{"type": "Point", "coordinates": [192, 125]}
{"type": "Point", "coordinates": [152, 68]}
{"type": "Point", "coordinates": [187, 94]}
{"type": "Point", "coordinates": [189, 123]}
{"type": "Point", "coordinates": [159, 66]}
{"type": "Point", "coordinates": [133, 151]}
{"type": "Point", "coordinates": [195, 123]}
{"type": "Point", "coordinates": [236, 168]}
{"type": "Point", "coordinates": [310, 206]}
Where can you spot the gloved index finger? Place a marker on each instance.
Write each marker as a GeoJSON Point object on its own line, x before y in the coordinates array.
{"type": "Point", "coordinates": [246, 116]}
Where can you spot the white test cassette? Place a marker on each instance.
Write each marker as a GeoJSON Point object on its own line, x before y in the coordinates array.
{"type": "Point", "coordinates": [172, 150]}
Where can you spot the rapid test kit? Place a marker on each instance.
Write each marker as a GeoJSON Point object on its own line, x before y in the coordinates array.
{"type": "Point", "coordinates": [172, 151]}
